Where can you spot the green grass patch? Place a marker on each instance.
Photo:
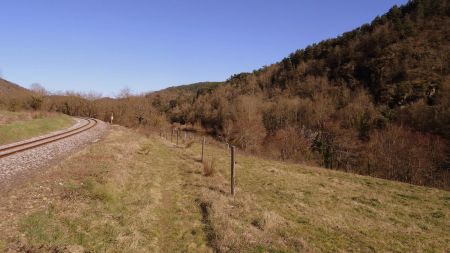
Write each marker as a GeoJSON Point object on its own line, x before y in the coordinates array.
{"type": "Point", "coordinates": [22, 130]}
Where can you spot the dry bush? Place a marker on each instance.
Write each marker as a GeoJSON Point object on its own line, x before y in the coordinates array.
{"type": "Point", "coordinates": [426, 118]}
{"type": "Point", "coordinates": [281, 113]}
{"type": "Point", "coordinates": [322, 108]}
{"type": "Point", "coordinates": [353, 114]}
{"type": "Point", "coordinates": [247, 129]}
{"type": "Point", "coordinates": [292, 144]}
{"type": "Point", "coordinates": [209, 169]}
{"type": "Point", "coordinates": [401, 154]}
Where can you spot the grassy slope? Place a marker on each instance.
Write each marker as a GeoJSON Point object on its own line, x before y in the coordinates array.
{"type": "Point", "coordinates": [296, 208]}
{"type": "Point", "coordinates": [16, 126]}
{"type": "Point", "coordinates": [129, 193]}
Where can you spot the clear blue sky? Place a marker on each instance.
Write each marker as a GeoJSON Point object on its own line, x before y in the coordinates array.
{"type": "Point", "coordinates": [103, 46]}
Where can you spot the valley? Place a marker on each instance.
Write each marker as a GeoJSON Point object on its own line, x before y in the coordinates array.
{"type": "Point", "coordinates": [157, 128]}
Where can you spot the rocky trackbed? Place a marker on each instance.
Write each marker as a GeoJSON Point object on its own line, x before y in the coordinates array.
{"type": "Point", "coordinates": [35, 158]}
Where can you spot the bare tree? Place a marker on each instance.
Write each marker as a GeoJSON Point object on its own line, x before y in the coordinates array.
{"type": "Point", "coordinates": [39, 89]}
{"type": "Point", "coordinates": [124, 93]}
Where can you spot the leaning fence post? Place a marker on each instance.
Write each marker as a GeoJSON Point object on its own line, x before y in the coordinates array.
{"type": "Point", "coordinates": [233, 175]}
{"type": "Point", "coordinates": [203, 147]}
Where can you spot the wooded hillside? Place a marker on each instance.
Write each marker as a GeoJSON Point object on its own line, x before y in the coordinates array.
{"type": "Point", "coordinates": [13, 96]}
{"type": "Point", "coordinates": [373, 101]}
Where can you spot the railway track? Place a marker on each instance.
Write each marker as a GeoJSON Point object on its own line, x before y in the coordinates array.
{"type": "Point", "coordinates": [27, 145]}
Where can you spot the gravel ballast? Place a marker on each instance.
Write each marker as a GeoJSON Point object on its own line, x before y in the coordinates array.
{"type": "Point", "coordinates": [39, 157]}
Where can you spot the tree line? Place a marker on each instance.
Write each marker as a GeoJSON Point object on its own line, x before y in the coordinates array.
{"type": "Point", "coordinates": [374, 101]}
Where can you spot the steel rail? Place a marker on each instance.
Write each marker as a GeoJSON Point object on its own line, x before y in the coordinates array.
{"type": "Point", "coordinates": [42, 138]}
{"type": "Point", "coordinates": [46, 140]}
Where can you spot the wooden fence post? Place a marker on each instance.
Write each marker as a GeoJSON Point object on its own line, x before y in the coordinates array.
{"type": "Point", "coordinates": [233, 174]}
{"type": "Point", "coordinates": [178, 133]}
{"type": "Point", "coordinates": [203, 147]}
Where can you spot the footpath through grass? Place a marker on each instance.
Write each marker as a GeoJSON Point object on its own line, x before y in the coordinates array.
{"type": "Point", "coordinates": [125, 193]}
{"type": "Point", "coordinates": [131, 193]}
{"type": "Point", "coordinates": [17, 126]}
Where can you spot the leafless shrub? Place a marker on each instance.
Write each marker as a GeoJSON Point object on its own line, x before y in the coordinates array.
{"type": "Point", "coordinates": [404, 155]}
{"type": "Point", "coordinates": [292, 144]}
{"type": "Point", "coordinates": [209, 169]}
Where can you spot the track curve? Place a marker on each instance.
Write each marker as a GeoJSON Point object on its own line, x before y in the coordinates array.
{"type": "Point", "coordinates": [14, 149]}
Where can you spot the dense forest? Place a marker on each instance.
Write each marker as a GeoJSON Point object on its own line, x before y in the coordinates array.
{"type": "Point", "coordinates": [374, 101]}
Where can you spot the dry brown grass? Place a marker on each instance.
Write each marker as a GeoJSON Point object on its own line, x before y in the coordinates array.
{"type": "Point", "coordinates": [128, 193]}
{"type": "Point", "coordinates": [209, 168]}
{"type": "Point", "coordinates": [282, 207]}
{"type": "Point", "coordinates": [189, 144]}
{"type": "Point", "coordinates": [124, 193]}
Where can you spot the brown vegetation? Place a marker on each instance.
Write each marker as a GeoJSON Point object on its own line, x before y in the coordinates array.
{"type": "Point", "coordinates": [344, 103]}
{"type": "Point", "coordinates": [13, 97]}
{"type": "Point", "coordinates": [373, 101]}
{"type": "Point", "coordinates": [130, 193]}
{"type": "Point", "coordinates": [189, 144]}
{"type": "Point", "coordinates": [209, 168]}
